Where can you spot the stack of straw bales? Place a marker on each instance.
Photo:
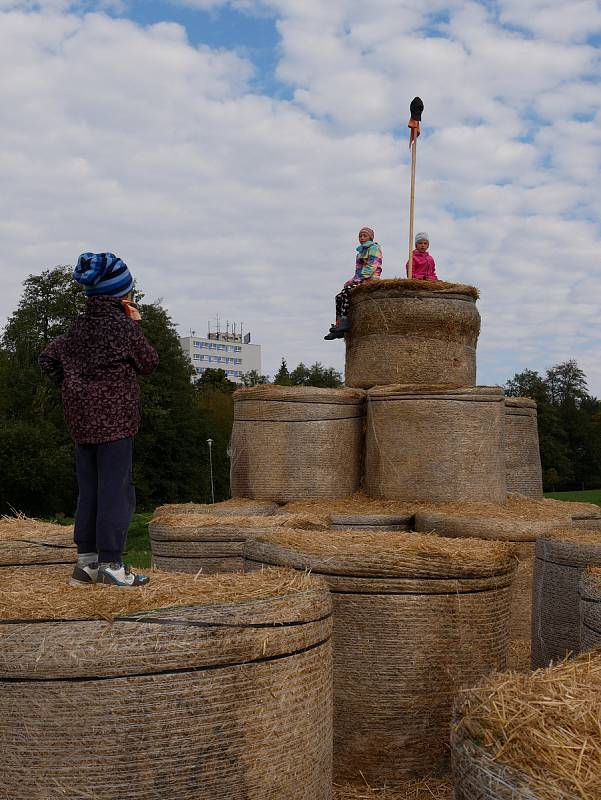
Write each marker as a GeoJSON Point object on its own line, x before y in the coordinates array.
{"type": "Point", "coordinates": [293, 442]}
{"type": "Point", "coordinates": [412, 332]}
{"type": "Point", "coordinates": [219, 689]}
{"type": "Point", "coordinates": [531, 737]}
{"type": "Point", "coordinates": [435, 443]}
{"type": "Point", "coordinates": [416, 618]}
{"type": "Point", "coordinates": [522, 452]}
{"type": "Point", "coordinates": [590, 609]}
{"type": "Point", "coordinates": [213, 543]}
{"type": "Point", "coordinates": [561, 558]}
{"type": "Point", "coordinates": [29, 542]}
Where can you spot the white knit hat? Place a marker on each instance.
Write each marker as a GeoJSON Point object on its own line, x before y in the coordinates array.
{"type": "Point", "coordinates": [422, 236]}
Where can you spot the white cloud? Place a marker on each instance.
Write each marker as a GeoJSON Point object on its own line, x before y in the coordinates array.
{"type": "Point", "coordinates": [225, 201]}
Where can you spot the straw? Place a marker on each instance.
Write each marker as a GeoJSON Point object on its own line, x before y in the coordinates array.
{"type": "Point", "coordinates": [517, 507]}
{"type": "Point", "coordinates": [352, 552]}
{"type": "Point", "coordinates": [36, 594]}
{"type": "Point", "coordinates": [545, 725]}
{"type": "Point", "coordinates": [414, 285]}
{"type": "Point", "coordinates": [236, 505]}
{"type": "Point", "coordinates": [24, 528]}
{"type": "Point", "coordinates": [424, 789]}
{"type": "Point", "coordinates": [307, 521]}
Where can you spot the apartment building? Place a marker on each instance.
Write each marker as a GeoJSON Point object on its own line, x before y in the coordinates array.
{"type": "Point", "coordinates": [227, 350]}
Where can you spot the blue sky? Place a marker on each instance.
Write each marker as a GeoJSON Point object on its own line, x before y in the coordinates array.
{"type": "Point", "coordinates": [230, 151]}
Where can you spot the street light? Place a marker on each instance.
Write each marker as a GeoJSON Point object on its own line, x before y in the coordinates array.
{"type": "Point", "coordinates": [210, 443]}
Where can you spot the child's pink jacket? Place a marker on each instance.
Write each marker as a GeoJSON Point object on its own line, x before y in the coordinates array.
{"type": "Point", "coordinates": [424, 268]}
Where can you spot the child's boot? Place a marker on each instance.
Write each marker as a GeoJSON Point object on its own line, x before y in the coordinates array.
{"type": "Point", "coordinates": [338, 330]}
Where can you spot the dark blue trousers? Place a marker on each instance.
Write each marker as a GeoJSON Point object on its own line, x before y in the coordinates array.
{"type": "Point", "coordinates": [107, 498]}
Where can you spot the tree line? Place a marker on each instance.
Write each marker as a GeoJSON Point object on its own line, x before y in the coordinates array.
{"type": "Point", "coordinates": [178, 416]}
{"type": "Point", "coordinates": [171, 461]}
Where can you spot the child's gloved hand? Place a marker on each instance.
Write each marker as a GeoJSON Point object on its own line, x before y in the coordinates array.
{"type": "Point", "coordinates": [349, 283]}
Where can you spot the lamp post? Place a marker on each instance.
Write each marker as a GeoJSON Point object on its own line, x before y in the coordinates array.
{"type": "Point", "coordinates": [210, 443]}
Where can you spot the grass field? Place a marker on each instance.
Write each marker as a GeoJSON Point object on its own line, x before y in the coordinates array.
{"type": "Point", "coordinates": [588, 496]}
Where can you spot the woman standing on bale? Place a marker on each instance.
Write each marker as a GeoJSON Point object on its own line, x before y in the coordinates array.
{"type": "Point", "coordinates": [96, 364]}
{"type": "Point", "coordinates": [368, 265]}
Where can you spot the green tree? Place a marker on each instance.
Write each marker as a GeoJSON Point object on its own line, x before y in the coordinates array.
{"type": "Point", "coordinates": [253, 378]}
{"type": "Point", "coordinates": [315, 375]}
{"type": "Point", "coordinates": [282, 376]}
{"type": "Point", "coordinates": [215, 380]}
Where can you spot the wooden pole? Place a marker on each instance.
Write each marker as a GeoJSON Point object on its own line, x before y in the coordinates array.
{"type": "Point", "coordinates": [412, 207]}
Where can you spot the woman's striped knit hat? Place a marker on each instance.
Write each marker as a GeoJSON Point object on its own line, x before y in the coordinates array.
{"type": "Point", "coordinates": [103, 273]}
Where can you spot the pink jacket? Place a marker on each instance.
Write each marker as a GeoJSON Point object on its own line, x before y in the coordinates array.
{"type": "Point", "coordinates": [424, 268]}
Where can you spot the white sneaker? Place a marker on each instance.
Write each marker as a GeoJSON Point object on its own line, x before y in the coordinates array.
{"type": "Point", "coordinates": [120, 575]}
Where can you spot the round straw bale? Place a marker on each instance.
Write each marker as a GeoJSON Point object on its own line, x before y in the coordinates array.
{"type": "Point", "coordinates": [561, 558]}
{"type": "Point", "coordinates": [412, 332]}
{"type": "Point", "coordinates": [590, 609]}
{"type": "Point", "coordinates": [435, 444]}
{"type": "Point", "coordinates": [211, 544]}
{"type": "Point", "coordinates": [25, 541]}
{"type": "Point", "coordinates": [522, 454]}
{"type": "Point", "coordinates": [372, 522]}
{"type": "Point", "coordinates": [532, 736]}
{"type": "Point", "coordinates": [223, 692]}
{"type": "Point", "coordinates": [521, 533]}
{"type": "Point", "coordinates": [296, 442]}
{"type": "Point", "coordinates": [239, 506]}
{"type": "Point", "coordinates": [416, 618]}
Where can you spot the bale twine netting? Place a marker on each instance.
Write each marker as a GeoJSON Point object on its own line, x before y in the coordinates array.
{"type": "Point", "coordinates": [238, 506]}
{"type": "Point", "coordinates": [209, 544]}
{"type": "Point", "coordinates": [30, 542]}
{"type": "Point", "coordinates": [372, 522]}
{"type": "Point", "coordinates": [561, 558]}
{"type": "Point", "coordinates": [294, 442]}
{"type": "Point", "coordinates": [590, 609]}
{"type": "Point", "coordinates": [416, 618]}
{"type": "Point", "coordinates": [406, 331]}
{"type": "Point", "coordinates": [491, 523]}
{"type": "Point", "coordinates": [217, 689]}
{"type": "Point", "coordinates": [435, 444]}
{"type": "Point", "coordinates": [522, 452]}
{"type": "Point", "coordinates": [531, 737]}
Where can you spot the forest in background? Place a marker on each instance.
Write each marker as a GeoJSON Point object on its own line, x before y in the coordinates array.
{"type": "Point", "coordinates": [37, 473]}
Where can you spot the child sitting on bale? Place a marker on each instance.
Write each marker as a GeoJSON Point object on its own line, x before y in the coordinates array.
{"type": "Point", "coordinates": [424, 268]}
{"type": "Point", "coordinates": [368, 265]}
{"type": "Point", "coordinates": [96, 363]}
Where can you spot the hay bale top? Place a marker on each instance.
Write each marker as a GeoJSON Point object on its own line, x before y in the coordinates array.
{"type": "Point", "coordinates": [237, 505]}
{"type": "Point", "coordinates": [420, 789]}
{"type": "Point", "coordinates": [399, 391]}
{"type": "Point", "coordinates": [581, 536]}
{"type": "Point", "coordinates": [401, 285]}
{"type": "Point", "coordinates": [34, 594]}
{"type": "Point", "coordinates": [543, 724]}
{"type": "Point", "coordinates": [300, 394]}
{"type": "Point", "coordinates": [287, 520]}
{"type": "Point", "coordinates": [24, 529]}
{"type": "Point", "coordinates": [519, 402]}
{"type": "Point", "coordinates": [518, 507]}
{"type": "Point", "coordinates": [392, 554]}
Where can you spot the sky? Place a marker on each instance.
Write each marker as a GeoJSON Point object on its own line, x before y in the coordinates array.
{"type": "Point", "coordinates": [230, 150]}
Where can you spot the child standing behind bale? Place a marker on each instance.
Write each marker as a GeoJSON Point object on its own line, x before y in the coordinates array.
{"type": "Point", "coordinates": [368, 266]}
{"type": "Point", "coordinates": [96, 364]}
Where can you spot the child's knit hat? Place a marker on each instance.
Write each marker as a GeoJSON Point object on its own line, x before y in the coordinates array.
{"type": "Point", "coordinates": [370, 232]}
{"type": "Point", "coordinates": [422, 236]}
{"type": "Point", "coordinates": [103, 273]}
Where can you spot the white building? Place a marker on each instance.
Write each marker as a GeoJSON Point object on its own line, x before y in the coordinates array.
{"type": "Point", "coordinates": [229, 351]}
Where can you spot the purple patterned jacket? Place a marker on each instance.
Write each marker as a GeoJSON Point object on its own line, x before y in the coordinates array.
{"type": "Point", "coordinates": [96, 363]}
